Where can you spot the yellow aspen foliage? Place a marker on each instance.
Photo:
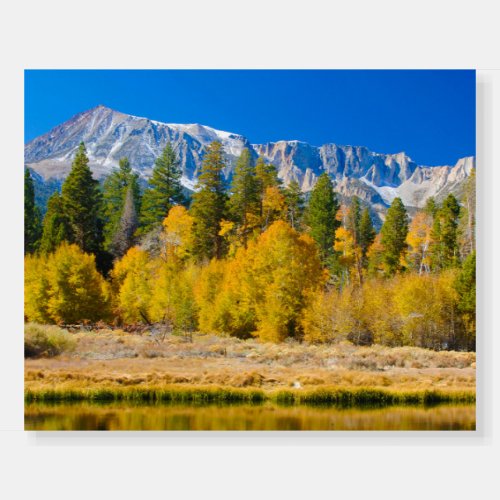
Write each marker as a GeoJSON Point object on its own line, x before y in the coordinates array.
{"type": "Point", "coordinates": [273, 206]}
{"type": "Point", "coordinates": [341, 214]}
{"type": "Point", "coordinates": [131, 278]}
{"type": "Point", "coordinates": [236, 236]}
{"type": "Point", "coordinates": [233, 310]}
{"type": "Point", "coordinates": [334, 316]}
{"type": "Point", "coordinates": [178, 233]}
{"type": "Point", "coordinates": [36, 289]}
{"type": "Point", "coordinates": [380, 312]}
{"type": "Point", "coordinates": [263, 289]}
{"type": "Point", "coordinates": [283, 267]}
{"type": "Point", "coordinates": [419, 240]}
{"type": "Point", "coordinates": [375, 257]}
{"type": "Point", "coordinates": [427, 307]}
{"type": "Point", "coordinates": [206, 290]}
{"type": "Point", "coordinates": [172, 298]}
{"type": "Point", "coordinates": [75, 291]}
{"type": "Point", "coordinates": [229, 231]}
{"type": "Point", "coordinates": [351, 321]}
{"type": "Point", "coordinates": [253, 224]}
{"type": "Point", "coordinates": [448, 297]}
{"type": "Point", "coordinates": [350, 254]}
{"type": "Point", "coordinates": [319, 317]}
{"type": "Point", "coordinates": [344, 245]}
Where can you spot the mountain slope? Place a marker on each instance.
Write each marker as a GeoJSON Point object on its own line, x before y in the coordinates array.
{"type": "Point", "coordinates": [110, 135]}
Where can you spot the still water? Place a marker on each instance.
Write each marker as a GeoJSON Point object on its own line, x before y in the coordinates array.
{"type": "Point", "coordinates": [121, 416]}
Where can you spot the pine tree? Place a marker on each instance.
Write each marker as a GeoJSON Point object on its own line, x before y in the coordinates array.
{"type": "Point", "coordinates": [354, 219]}
{"type": "Point", "coordinates": [465, 286]}
{"type": "Point", "coordinates": [124, 236]}
{"type": "Point", "coordinates": [165, 190]}
{"type": "Point", "coordinates": [445, 234]}
{"type": "Point", "coordinates": [294, 204]}
{"type": "Point", "coordinates": [82, 204]}
{"type": "Point", "coordinates": [244, 201]}
{"type": "Point", "coordinates": [55, 225]}
{"type": "Point", "coordinates": [267, 176]}
{"type": "Point", "coordinates": [367, 233]}
{"type": "Point", "coordinates": [393, 236]}
{"type": "Point", "coordinates": [32, 216]}
{"type": "Point", "coordinates": [209, 206]}
{"type": "Point", "coordinates": [115, 189]}
{"type": "Point", "coordinates": [321, 216]}
{"type": "Point", "coordinates": [431, 207]}
{"type": "Point", "coordinates": [450, 213]}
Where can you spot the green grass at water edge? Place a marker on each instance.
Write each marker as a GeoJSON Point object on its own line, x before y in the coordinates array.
{"type": "Point", "coordinates": [369, 397]}
{"type": "Point", "coordinates": [148, 395]}
{"type": "Point", "coordinates": [200, 395]}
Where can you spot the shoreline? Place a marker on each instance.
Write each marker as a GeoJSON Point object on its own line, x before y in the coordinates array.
{"type": "Point", "coordinates": [119, 366]}
{"type": "Point", "coordinates": [335, 396]}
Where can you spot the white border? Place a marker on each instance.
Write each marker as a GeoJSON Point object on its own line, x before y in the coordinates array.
{"type": "Point", "coordinates": [223, 34]}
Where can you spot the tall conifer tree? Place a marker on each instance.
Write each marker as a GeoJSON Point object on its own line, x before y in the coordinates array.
{"type": "Point", "coordinates": [55, 225]}
{"type": "Point", "coordinates": [209, 205]}
{"type": "Point", "coordinates": [244, 201]}
{"type": "Point", "coordinates": [465, 286]}
{"type": "Point", "coordinates": [294, 204]}
{"type": "Point", "coordinates": [366, 233]}
{"type": "Point", "coordinates": [82, 205]}
{"type": "Point", "coordinates": [165, 190]}
{"type": "Point", "coordinates": [445, 234]}
{"type": "Point", "coordinates": [393, 236]}
{"type": "Point", "coordinates": [32, 216]}
{"type": "Point", "coordinates": [267, 175]}
{"type": "Point", "coordinates": [321, 216]}
{"type": "Point", "coordinates": [115, 189]}
{"type": "Point", "coordinates": [354, 220]}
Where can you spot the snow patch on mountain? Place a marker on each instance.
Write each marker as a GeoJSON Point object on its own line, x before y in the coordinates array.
{"type": "Point", "coordinates": [110, 135]}
{"type": "Point", "coordinates": [387, 193]}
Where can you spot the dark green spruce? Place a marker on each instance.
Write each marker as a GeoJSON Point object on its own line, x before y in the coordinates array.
{"type": "Point", "coordinates": [393, 236]}
{"type": "Point", "coordinates": [321, 215]}
{"type": "Point", "coordinates": [209, 205]}
{"type": "Point", "coordinates": [367, 234]}
{"type": "Point", "coordinates": [294, 204]}
{"type": "Point", "coordinates": [55, 225]}
{"type": "Point", "coordinates": [32, 217]}
{"type": "Point", "coordinates": [82, 205]}
{"type": "Point", "coordinates": [243, 204]}
{"type": "Point", "coordinates": [164, 191]}
{"type": "Point", "coordinates": [444, 250]}
{"type": "Point", "coordinates": [115, 189]}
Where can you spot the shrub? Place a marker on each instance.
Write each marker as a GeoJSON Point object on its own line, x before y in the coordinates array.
{"type": "Point", "coordinates": [46, 340]}
{"type": "Point", "coordinates": [131, 279]}
{"type": "Point", "coordinates": [64, 287]}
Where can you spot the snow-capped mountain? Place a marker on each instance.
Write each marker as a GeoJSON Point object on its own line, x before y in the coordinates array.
{"type": "Point", "coordinates": [110, 135]}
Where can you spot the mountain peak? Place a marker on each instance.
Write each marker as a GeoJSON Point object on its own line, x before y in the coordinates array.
{"type": "Point", "coordinates": [110, 135]}
{"type": "Point", "coordinates": [98, 108]}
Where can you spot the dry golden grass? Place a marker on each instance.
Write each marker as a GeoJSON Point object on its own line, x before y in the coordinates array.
{"type": "Point", "coordinates": [114, 360]}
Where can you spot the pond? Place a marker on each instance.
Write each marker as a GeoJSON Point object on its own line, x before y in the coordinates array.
{"type": "Point", "coordinates": [256, 417]}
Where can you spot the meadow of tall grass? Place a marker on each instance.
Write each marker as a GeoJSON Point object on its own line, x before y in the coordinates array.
{"type": "Point", "coordinates": [115, 365]}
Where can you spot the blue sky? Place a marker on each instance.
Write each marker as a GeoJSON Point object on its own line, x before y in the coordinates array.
{"type": "Point", "coordinates": [428, 114]}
